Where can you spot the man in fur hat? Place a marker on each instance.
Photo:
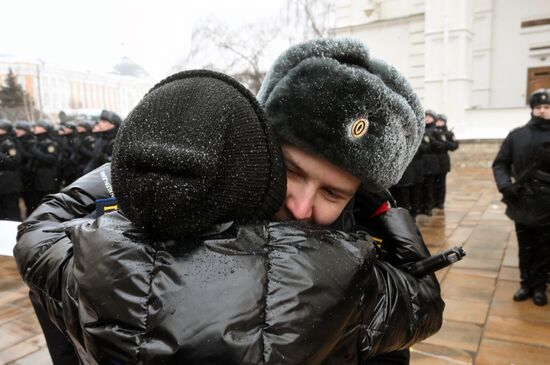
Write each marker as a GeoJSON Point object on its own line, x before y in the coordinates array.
{"type": "Point", "coordinates": [349, 123]}
{"type": "Point", "coordinates": [522, 174]}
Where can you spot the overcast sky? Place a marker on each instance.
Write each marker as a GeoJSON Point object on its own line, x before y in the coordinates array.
{"type": "Point", "coordinates": [95, 35]}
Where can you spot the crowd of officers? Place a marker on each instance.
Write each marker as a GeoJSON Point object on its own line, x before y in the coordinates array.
{"type": "Point", "coordinates": [423, 185]}
{"type": "Point", "coordinates": [39, 158]}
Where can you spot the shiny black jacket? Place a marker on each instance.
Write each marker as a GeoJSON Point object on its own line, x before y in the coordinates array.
{"type": "Point", "coordinates": [276, 293]}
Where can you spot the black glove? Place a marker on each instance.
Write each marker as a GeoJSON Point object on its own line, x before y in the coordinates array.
{"type": "Point", "coordinates": [510, 192]}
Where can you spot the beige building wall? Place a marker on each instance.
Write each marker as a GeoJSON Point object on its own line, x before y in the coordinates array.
{"type": "Point", "coordinates": [56, 89]}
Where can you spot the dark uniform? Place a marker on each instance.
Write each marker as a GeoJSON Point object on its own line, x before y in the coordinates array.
{"type": "Point", "coordinates": [402, 190]}
{"type": "Point", "coordinates": [26, 141]}
{"type": "Point", "coordinates": [416, 189]}
{"type": "Point", "coordinates": [68, 143]}
{"type": "Point", "coordinates": [430, 146]}
{"type": "Point", "coordinates": [45, 160]}
{"type": "Point", "coordinates": [10, 179]}
{"type": "Point", "coordinates": [444, 161]}
{"type": "Point", "coordinates": [104, 142]}
{"type": "Point", "coordinates": [84, 150]}
{"type": "Point", "coordinates": [522, 174]}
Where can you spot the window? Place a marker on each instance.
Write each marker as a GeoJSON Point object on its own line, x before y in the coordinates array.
{"type": "Point", "coordinates": [537, 78]}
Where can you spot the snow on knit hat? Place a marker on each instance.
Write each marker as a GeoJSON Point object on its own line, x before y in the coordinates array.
{"type": "Point", "coordinates": [331, 98]}
{"type": "Point", "coordinates": [196, 151]}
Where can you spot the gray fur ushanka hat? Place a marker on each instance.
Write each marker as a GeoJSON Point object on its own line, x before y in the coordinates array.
{"type": "Point", "coordinates": [329, 97]}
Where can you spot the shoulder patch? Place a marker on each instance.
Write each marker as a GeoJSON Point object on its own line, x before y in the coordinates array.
{"type": "Point", "coordinates": [12, 152]}
{"type": "Point", "coordinates": [51, 149]}
{"type": "Point", "coordinates": [426, 139]}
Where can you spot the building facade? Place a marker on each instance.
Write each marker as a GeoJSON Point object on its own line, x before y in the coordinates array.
{"type": "Point", "coordinates": [55, 88]}
{"type": "Point", "coordinates": [476, 61]}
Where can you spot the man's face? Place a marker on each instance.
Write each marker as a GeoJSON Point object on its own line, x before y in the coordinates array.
{"type": "Point", "coordinates": [439, 123]}
{"type": "Point", "coordinates": [428, 119]}
{"type": "Point", "coordinates": [2, 132]}
{"type": "Point", "coordinates": [317, 190]}
{"type": "Point", "coordinates": [65, 131]}
{"type": "Point", "coordinates": [20, 132]}
{"type": "Point", "coordinates": [542, 111]}
{"type": "Point", "coordinates": [102, 126]}
{"type": "Point", "coordinates": [39, 130]}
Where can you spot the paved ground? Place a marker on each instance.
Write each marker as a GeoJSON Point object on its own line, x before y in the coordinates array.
{"type": "Point", "coordinates": [482, 324]}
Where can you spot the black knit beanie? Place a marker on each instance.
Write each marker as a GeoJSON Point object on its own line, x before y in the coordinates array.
{"type": "Point", "coordinates": [331, 98]}
{"type": "Point", "coordinates": [197, 151]}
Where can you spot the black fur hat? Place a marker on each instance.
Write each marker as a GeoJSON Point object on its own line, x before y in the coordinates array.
{"type": "Point", "coordinates": [111, 117]}
{"type": "Point", "coordinates": [331, 98]}
{"type": "Point", "coordinates": [197, 150]}
{"type": "Point", "coordinates": [442, 117]}
{"type": "Point", "coordinates": [539, 97]}
{"type": "Point", "coordinates": [431, 112]}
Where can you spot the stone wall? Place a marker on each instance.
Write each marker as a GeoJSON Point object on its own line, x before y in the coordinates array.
{"type": "Point", "coordinates": [475, 153]}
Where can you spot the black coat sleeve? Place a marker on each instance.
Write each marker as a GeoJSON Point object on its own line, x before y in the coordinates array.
{"type": "Point", "coordinates": [7, 160]}
{"type": "Point", "coordinates": [50, 158]}
{"type": "Point", "coordinates": [43, 249]}
{"type": "Point", "coordinates": [452, 143]}
{"type": "Point", "coordinates": [502, 165]}
{"type": "Point", "coordinates": [415, 307]}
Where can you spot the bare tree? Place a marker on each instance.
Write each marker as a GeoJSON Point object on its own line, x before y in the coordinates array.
{"type": "Point", "coordinates": [309, 19]}
{"type": "Point", "coordinates": [245, 52]}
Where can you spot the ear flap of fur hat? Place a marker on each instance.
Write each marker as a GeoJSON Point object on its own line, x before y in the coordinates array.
{"type": "Point", "coordinates": [196, 151]}
{"type": "Point", "coordinates": [329, 97]}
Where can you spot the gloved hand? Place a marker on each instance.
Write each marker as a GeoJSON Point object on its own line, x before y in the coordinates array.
{"type": "Point", "coordinates": [510, 192]}
{"type": "Point", "coordinates": [401, 238]}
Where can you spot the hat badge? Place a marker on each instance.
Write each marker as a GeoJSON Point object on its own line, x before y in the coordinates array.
{"type": "Point", "coordinates": [359, 127]}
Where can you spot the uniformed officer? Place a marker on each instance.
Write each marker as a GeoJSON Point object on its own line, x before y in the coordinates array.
{"type": "Point", "coordinates": [416, 189]}
{"type": "Point", "coordinates": [441, 133]}
{"type": "Point", "coordinates": [26, 140]}
{"type": "Point", "coordinates": [105, 132]}
{"type": "Point", "coordinates": [430, 147]}
{"type": "Point", "coordinates": [522, 174]}
{"type": "Point", "coordinates": [84, 150]}
{"type": "Point", "coordinates": [402, 190]}
{"type": "Point", "coordinates": [68, 141]}
{"type": "Point", "coordinates": [10, 179]}
{"type": "Point", "coordinates": [45, 160]}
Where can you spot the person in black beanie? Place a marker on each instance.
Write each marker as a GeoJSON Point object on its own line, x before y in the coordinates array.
{"type": "Point", "coordinates": [105, 132]}
{"type": "Point", "coordinates": [189, 271]}
{"type": "Point", "coordinates": [522, 174]}
{"type": "Point", "coordinates": [443, 134]}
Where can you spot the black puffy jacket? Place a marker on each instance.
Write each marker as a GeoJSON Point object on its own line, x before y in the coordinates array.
{"type": "Point", "coordinates": [277, 293]}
